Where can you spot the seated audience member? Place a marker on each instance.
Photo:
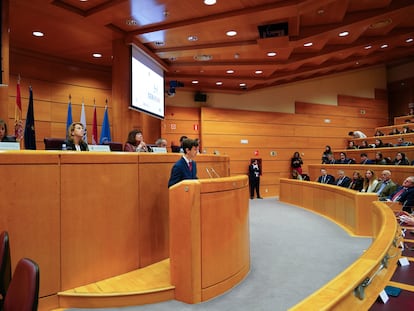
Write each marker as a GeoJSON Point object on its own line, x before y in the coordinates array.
{"type": "Point", "coordinates": [394, 131]}
{"type": "Point", "coordinates": [404, 195]}
{"type": "Point", "coordinates": [342, 180]}
{"type": "Point", "coordinates": [406, 130]}
{"type": "Point", "coordinates": [401, 142]}
{"type": "Point", "coordinates": [370, 181]}
{"type": "Point", "coordinates": [379, 159]}
{"type": "Point", "coordinates": [364, 145]}
{"type": "Point", "coordinates": [135, 142]}
{"type": "Point", "coordinates": [4, 133]}
{"type": "Point", "coordinates": [378, 143]}
{"type": "Point", "coordinates": [326, 178]}
{"type": "Point", "coordinates": [330, 159]}
{"type": "Point", "coordinates": [351, 145]}
{"type": "Point", "coordinates": [365, 159]}
{"type": "Point", "coordinates": [181, 143]}
{"type": "Point", "coordinates": [327, 151]}
{"type": "Point", "coordinates": [357, 134]}
{"type": "Point", "coordinates": [385, 186]}
{"type": "Point", "coordinates": [161, 142]}
{"type": "Point", "coordinates": [75, 140]}
{"type": "Point", "coordinates": [357, 181]}
{"type": "Point", "coordinates": [343, 159]}
{"type": "Point", "coordinates": [378, 133]}
{"type": "Point", "coordinates": [401, 159]}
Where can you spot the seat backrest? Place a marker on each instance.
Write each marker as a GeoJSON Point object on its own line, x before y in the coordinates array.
{"type": "Point", "coordinates": [52, 143]}
{"type": "Point", "coordinates": [23, 292]}
{"type": "Point", "coordinates": [5, 263]}
{"type": "Point", "coordinates": [115, 146]}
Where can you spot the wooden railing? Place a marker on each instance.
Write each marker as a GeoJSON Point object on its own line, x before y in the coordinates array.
{"type": "Point", "coordinates": [359, 285]}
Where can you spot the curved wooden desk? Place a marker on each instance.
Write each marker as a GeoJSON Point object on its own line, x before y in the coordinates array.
{"type": "Point", "coordinates": [360, 215]}
{"type": "Point", "coordinates": [87, 216]}
{"type": "Point", "coordinates": [209, 236]}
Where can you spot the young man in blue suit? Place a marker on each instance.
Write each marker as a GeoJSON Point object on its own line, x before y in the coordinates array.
{"type": "Point", "coordinates": [186, 167]}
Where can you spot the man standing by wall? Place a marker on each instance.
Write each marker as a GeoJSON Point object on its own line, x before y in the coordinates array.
{"type": "Point", "coordinates": [255, 171]}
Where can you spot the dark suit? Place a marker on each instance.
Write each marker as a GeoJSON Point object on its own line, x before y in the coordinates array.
{"type": "Point", "coordinates": [181, 171]}
{"type": "Point", "coordinates": [329, 179]}
{"type": "Point", "coordinates": [254, 180]}
{"type": "Point", "coordinates": [406, 198]}
{"type": "Point", "coordinates": [344, 182]}
{"type": "Point", "coordinates": [71, 146]}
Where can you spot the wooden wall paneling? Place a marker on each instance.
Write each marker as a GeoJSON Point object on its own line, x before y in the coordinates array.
{"type": "Point", "coordinates": [180, 121]}
{"type": "Point", "coordinates": [93, 228]}
{"type": "Point", "coordinates": [402, 119]}
{"type": "Point", "coordinates": [30, 212]}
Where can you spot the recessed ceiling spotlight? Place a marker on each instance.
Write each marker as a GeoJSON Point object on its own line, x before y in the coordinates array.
{"type": "Point", "coordinates": [258, 72]}
{"type": "Point", "coordinates": [210, 2]}
{"type": "Point", "coordinates": [230, 71]}
{"type": "Point", "coordinates": [271, 54]}
{"type": "Point", "coordinates": [409, 40]}
{"type": "Point", "coordinates": [368, 47]}
{"type": "Point", "coordinates": [384, 46]}
{"type": "Point", "coordinates": [236, 55]}
{"type": "Point", "coordinates": [194, 82]}
{"type": "Point", "coordinates": [97, 55]}
{"type": "Point", "coordinates": [320, 11]}
{"type": "Point", "coordinates": [192, 38]}
{"type": "Point", "coordinates": [308, 44]}
{"type": "Point", "coordinates": [131, 22]}
{"type": "Point", "coordinates": [38, 33]}
{"type": "Point", "coordinates": [343, 33]}
{"type": "Point", "coordinates": [219, 83]}
{"type": "Point", "coordinates": [231, 33]}
{"type": "Point", "coordinates": [243, 85]}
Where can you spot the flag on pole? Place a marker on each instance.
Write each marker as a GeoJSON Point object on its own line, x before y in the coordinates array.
{"type": "Point", "coordinates": [106, 131]}
{"type": "Point", "coordinates": [94, 126]}
{"type": "Point", "coordinates": [83, 121]}
{"type": "Point", "coordinates": [18, 123]}
{"type": "Point", "coordinates": [29, 130]}
{"type": "Point", "coordinates": [69, 117]}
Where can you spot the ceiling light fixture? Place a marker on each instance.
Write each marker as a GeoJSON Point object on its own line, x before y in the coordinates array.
{"type": "Point", "coordinates": [210, 2]}
{"type": "Point", "coordinates": [231, 33]}
{"type": "Point", "coordinates": [219, 83]}
{"type": "Point", "coordinates": [409, 40]}
{"type": "Point", "coordinates": [258, 72]}
{"type": "Point", "coordinates": [230, 71]}
{"type": "Point", "coordinates": [308, 44]}
{"type": "Point", "coordinates": [384, 46]}
{"type": "Point", "coordinates": [368, 47]}
{"type": "Point", "coordinates": [194, 82]}
{"type": "Point", "coordinates": [192, 38]}
{"type": "Point", "coordinates": [271, 54]}
{"type": "Point", "coordinates": [97, 55]}
{"type": "Point", "coordinates": [343, 33]}
{"type": "Point", "coordinates": [38, 33]}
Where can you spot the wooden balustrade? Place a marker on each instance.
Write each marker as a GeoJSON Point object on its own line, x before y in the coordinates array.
{"type": "Point", "coordinates": [359, 214]}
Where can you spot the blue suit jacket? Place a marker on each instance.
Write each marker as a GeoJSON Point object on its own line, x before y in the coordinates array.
{"type": "Point", "coordinates": [181, 171]}
{"type": "Point", "coordinates": [406, 199]}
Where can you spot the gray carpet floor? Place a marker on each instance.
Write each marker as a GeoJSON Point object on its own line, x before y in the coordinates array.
{"type": "Point", "coordinates": [293, 253]}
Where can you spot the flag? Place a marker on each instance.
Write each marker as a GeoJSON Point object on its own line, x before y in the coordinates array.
{"type": "Point", "coordinates": [83, 121]}
{"type": "Point", "coordinates": [94, 127]}
{"type": "Point", "coordinates": [69, 117]}
{"type": "Point", "coordinates": [29, 130]}
{"type": "Point", "coordinates": [18, 123]}
{"type": "Point", "coordinates": [106, 131]}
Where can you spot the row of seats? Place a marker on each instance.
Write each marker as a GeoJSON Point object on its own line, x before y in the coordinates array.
{"type": "Point", "coordinates": [19, 291]}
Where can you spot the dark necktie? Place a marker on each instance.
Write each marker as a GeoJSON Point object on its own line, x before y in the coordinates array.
{"type": "Point", "coordinates": [396, 196]}
{"type": "Point", "coordinates": [190, 166]}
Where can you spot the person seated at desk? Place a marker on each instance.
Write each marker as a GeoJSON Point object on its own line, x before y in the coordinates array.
{"type": "Point", "coordinates": [186, 167]}
{"type": "Point", "coordinates": [365, 159]}
{"type": "Point", "coordinates": [370, 181]}
{"type": "Point", "coordinates": [378, 133]}
{"type": "Point", "coordinates": [4, 133]}
{"type": "Point", "coordinates": [326, 178]}
{"type": "Point", "coordinates": [404, 195]}
{"type": "Point", "coordinates": [401, 142]}
{"type": "Point", "coordinates": [385, 186]}
{"type": "Point", "coordinates": [379, 159]}
{"type": "Point", "coordinates": [401, 159]}
{"type": "Point", "coordinates": [343, 159]}
{"type": "Point", "coordinates": [343, 180]}
{"type": "Point", "coordinates": [161, 142]}
{"type": "Point", "coordinates": [394, 131]}
{"type": "Point", "coordinates": [406, 130]}
{"type": "Point", "coordinates": [135, 142]}
{"type": "Point", "coordinates": [75, 140]}
{"type": "Point", "coordinates": [357, 182]}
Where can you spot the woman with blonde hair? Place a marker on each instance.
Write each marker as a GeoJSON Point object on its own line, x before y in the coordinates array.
{"type": "Point", "coordinates": [370, 181]}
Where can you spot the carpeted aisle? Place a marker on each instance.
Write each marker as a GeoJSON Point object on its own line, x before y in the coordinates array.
{"type": "Point", "coordinates": [293, 253]}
